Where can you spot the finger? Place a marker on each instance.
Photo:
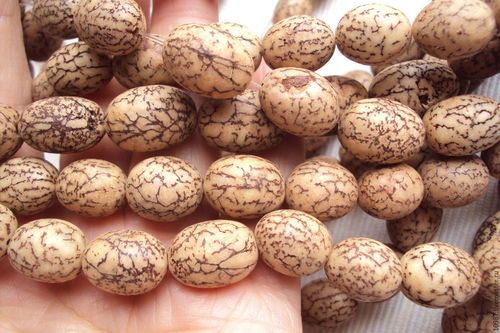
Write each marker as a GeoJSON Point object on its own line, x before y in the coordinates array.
{"type": "Point", "coordinates": [170, 13]}
{"type": "Point", "coordinates": [15, 85]}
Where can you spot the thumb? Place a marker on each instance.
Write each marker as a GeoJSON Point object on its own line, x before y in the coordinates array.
{"type": "Point", "coordinates": [15, 82]}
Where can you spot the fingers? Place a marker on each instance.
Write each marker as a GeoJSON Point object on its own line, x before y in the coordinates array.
{"type": "Point", "coordinates": [15, 82]}
{"type": "Point", "coordinates": [171, 13]}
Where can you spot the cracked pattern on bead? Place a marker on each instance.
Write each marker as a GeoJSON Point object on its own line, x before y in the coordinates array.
{"type": "Point", "coordinates": [41, 88]}
{"type": "Point", "coordinates": [349, 91]}
{"type": "Point", "coordinates": [55, 17]}
{"type": "Point", "coordinates": [489, 229]}
{"type": "Point", "coordinates": [10, 141]}
{"type": "Point", "coordinates": [487, 256]}
{"type": "Point", "coordinates": [8, 225]}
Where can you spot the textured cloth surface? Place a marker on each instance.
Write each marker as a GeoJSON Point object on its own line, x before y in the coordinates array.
{"type": "Point", "coordinates": [458, 226]}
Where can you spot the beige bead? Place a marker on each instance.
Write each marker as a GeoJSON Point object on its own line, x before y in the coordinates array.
{"type": "Point", "coordinates": [55, 17]}
{"type": "Point", "coordinates": [27, 185]}
{"type": "Point", "coordinates": [453, 181]}
{"type": "Point", "coordinates": [300, 101]}
{"type": "Point", "coordinates": [125, 262]}
{"type": "Point", "coordinates": [475, 316]}
{"type": "Point", "coordinates": [150, 118]}
{"type": "Point", "coordinates": [381, 131]}
{"type": "Point", "coordinates": [8, 225]}
{"type": "Point", "coordinates": [293, 243]}
{"type": "Point", "coordinates": [373, 34]}
{"type": "Point", "coordinates": [487, 256]}
{"type": "Point", "coordinates": [47, 250]}
{"type": "Point", "coordinates": [325, 305]}
{"type": "Point", "coordinates": [439, 275]}
{"type": "Point", "coordinates": [244, 186]}
{"type": "Point", "coordinates": [362, 76]}
{"type": "Point", "coordinates": [313, 144]}
{"type": "Point", "coordinates": [365, 269]}
{"type": "Point", "coordinates": [164, 189]}
{"type": "Point", "coordinates": [288, 8]}
{"type": "Point", "coordinates": [489, 229]}
{"type": "Point", "coordinates": [412, 52]}
{"type": "Point", "coordinates": [451, 29]}
{"type": "Point", "coordinates": [10, 141]}
{"type": "Point", "coordinates": [323, 189]}
{"type": "Point", "coordinates": [213, 254]}
{"type": "Point", "coordinates": [238, 124]}
{"type": "Point", "coordinates": [417, 228]}
{"type": "Point", "coordinates": [349, 90]}
{"type": "Point", "coordinates": [41, 88]}
{"type": "Point", "coordinates": [90, 187]}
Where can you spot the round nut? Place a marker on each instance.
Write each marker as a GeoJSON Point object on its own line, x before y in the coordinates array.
{"type": "Point", "coordinates": [350, 91]}
{"type": "Point", "coordinates": [390, 192]}
{"type": "Point", "coordinates": [490, 228]}
{"type": "Point", "coordinates": [38, 44]}
{"type": "Point", "coordinates": [89, 187]}
{"type": "Point", "coordinates": [27, 185]}
{"type": "Point", "coordinates": [111, 27]}
{"type": "Point", "coordinates": [477, 315]}
{"type": "Point", "coordinates": [300, 101]}
{"type": "Point", "coordinates": [299, 41]}
{"type": "Point", "coordinates": [41, 88]}
{"type": "Point", "coordinates": [143, 66]}
{"type": "Point", "coordinates": [491, 157]}
{"type": "Point", "coordinates": [451, 29]}
{"type": "Point", "coordinates": [363, 77]}
{"type": "Point", "coordinates": [150, 118]}
{"type": "Point", "coordinates": [453, 181]}
{"type": "Point", "coordinates": [373, 34]}
{"type": "Point", "coordinates": [418, 84]}
{"type": "Point", "coordinates": [463, 125]}
{"type": "Point", "coordinates": [412, 52]}
{"type": "Point", "coordinates": [55, 17]}
{"type": "Point", "coordinates": [481, 65]}
{"type": "Point", "coordinates": [10, 141]}
{"type": "Point", "coordinates": [164, 189]}
{"type": "Point", "coordinates": [439, 275]}
{"type": "Point", "coordinates": [287, 8]}
{"type": "Point", "coordinates": [8, 225]}
{"type": "Point", "coordinates": [487, 256]}
{"type": "Point", "coordinates": [244, 186]}
{"type": "Point", "coordinates": [325, 305]}
{"type": "Point", "coordinates": [417, 228]}
{"type": "Point", "coordinates": [365, 269]}
{"type": "Point", "coordinates": [208, 61]}
{"type": "Point", "coordinates": [62, 124]}
{"type": "Point", "coordinates": [323, 189]}
{"type": "Point", "coordinates": [293, 243]}
{"type": "Point", "coordinates": [238, 124]}
{"type": "Point", "coordinates": [76, 69]}
{"type": "Point", "coordinates": [47, 250]}
{"type": "Point", "coordinates": [213, 254]}
{"type": "Point", "coordinates": [249, 40]}
{"type": "Point", "coordinates": [125, 262]}
{"type": "Point", "coordinates": [381, 131]}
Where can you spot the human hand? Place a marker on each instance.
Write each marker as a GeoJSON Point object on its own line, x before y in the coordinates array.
{"type": "Point", "coordinates": [264, 302]}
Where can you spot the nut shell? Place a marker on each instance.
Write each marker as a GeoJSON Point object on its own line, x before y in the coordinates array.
{"type": "Point", "coordinates": [373, 34]}
{"type": "Point", "coordinates": [417, 228]}
{"type": "Point", "coordinates": [418, 84]}
{"type": "Point", "coordinates": [325, 305]}
{"type": "Point", "coordinates": [38, 44]}
{"type": "Point", "coordinates": [287, 8]}
{"type": "Point", "coordinates": [475, 316]}
{"type": "Point", "coordinates": [164, 189]}
{"type": "Point", "coordinates": [439, 275]}
{"type": "Point", "coordinates": [381, 131]}
{"type": "Point", "coordinates": [487, 256]}
{"type": "Point", "coordinates": [76, 69]}
{"type": "Point", "coordinates": [323, 189]}
{"type": "Point", "coordinates": [244, 186]}
{"type": "Point", "coordinates": [412, 52]}
{"type": "Point", "coordinates": [213, 254]}
{"type": "Point", "coordinates": [62, 124]}
{"type": "Point", "coordinates": [293, 243]}
{"type": "Point", "coordinates": [365, 269]}
{"type": "Point", "coordinates": [90, 187]}
{"type": "Point", "coordinates": [47, 250]}
{"type": "Point", "coordinates": [27, 185]}
{"type": "Point", "coordinates": [207, 61]}
{"type": "Point", "coordinates": [490, 228]}
{"type": "Point", "coordinates": [150, 118]}
{"type": "Point", "coordinates": [453, 181]}
{"type": "Point", "coordinates": [451, 29]}
{"type": "Point", "coordinates": [55, 17]}
{"type": "Point", "coordinates": [10, 141]}
{"type": "Point", "coordinates": [349, 90]}
{"type": "Point", "coordinates": [362, 76]}
{"type": "Point", "coordinates": [125, 262]}
{"type": "Point", "coordinates": [299, 41]}
{"type": "Point", "coordinates": [111, 27]}
{"type": "Point", "coordinates": [41, 88]}
{"type": "Point", "coordinates": [238, 124]}
{"type": "Point", "coordinates": [300, 101]}
{"type": "Point", "coordinates": [491, 157]}
{"type": "Point", "coordinates": [8, 225]}
{"type": "Point", "coordinates": [463, 125]}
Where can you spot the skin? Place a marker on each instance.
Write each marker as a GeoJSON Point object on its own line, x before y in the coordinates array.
{"type": "Point", "coordinates": [262, 302]}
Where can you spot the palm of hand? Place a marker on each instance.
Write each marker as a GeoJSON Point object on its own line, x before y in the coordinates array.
{"type": "Point", "coordinates": [264, 302]}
